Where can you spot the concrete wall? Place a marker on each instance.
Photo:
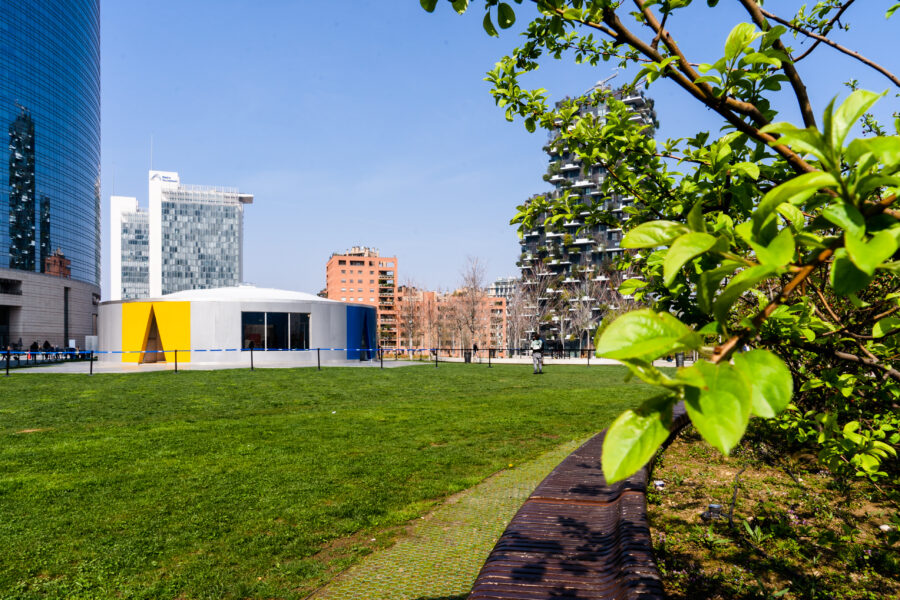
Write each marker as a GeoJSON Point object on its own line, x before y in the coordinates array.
{"type": "Point", "coordinates": [38, 313]}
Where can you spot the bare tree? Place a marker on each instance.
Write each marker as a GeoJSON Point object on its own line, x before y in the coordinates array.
{"type": "Point", "coordinates": [411, 318]}
{"type": "Point", "coordinates": [537, 291]}
{"type": "Point", "coordinates": [470, 302]}
{"type": "Point", "coordinates": [516, 317]}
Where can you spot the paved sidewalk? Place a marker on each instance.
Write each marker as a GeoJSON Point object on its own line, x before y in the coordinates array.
{"type": "Point", "coordinates": [441, 557]}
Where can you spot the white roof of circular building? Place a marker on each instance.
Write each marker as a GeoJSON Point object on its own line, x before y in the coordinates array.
{"type": "Point", "coordinates": [244, 293]}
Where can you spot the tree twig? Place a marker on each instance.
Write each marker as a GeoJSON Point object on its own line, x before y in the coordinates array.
{"type": "Point", "coordinates": [834, 45]}
{"type": "Point", "coordinates": [825, 30]}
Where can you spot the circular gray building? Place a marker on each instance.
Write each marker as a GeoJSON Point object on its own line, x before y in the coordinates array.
{"type": "Point", "coordinates": [221, 325]}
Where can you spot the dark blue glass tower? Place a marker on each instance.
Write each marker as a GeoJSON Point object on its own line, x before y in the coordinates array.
{"type": "Point", "coordinates": [50, 115]}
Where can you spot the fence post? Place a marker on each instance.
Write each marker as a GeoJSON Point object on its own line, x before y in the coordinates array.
{"type": "Point", "coordinates": [7, 362]}
{"type": "Point", "coordinates": [489, 357]}
{"type": "Point", "coordinates": [251, 358]}
{"type": "Point", "coordinates": [381, 352]}
{"type": "Point", "coordinates": [589, 355]}
{"type": "Point", "coordinates": [679, 359]}
{"type": "Point", "coordinates": [176, 360]}
{"type": "Point", "coordinates": [92, 362]}
{"type": "Point", "coordinates": [436, 357]}
{"type": "Point", "coordinates": [319, 359]}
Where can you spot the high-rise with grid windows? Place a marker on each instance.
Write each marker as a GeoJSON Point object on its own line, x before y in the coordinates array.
{"type": "Point", "coordinates": [190, 238]}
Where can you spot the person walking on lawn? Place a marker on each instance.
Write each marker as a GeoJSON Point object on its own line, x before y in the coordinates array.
{"type": "Point", "coordinates": [537, 353]}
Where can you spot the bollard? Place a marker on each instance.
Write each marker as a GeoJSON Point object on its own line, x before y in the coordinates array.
{"type": "Point", "coordinates": [319, 358]}
{"type": "Point", "coordinates": [679, 359]}
{"type": "Point", "coordinates": [92, 363]}
{"type": "Point", "coordinates": [176, 361]}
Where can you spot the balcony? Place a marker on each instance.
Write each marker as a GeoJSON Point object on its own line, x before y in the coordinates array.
{"type": "Point", "coordinates": [570, 167]}
{"type": "Point", "coordinates": [556, 178]}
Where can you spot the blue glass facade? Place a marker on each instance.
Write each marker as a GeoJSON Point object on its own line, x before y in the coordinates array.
{"type": "Point", "coordinates": [50, 80]}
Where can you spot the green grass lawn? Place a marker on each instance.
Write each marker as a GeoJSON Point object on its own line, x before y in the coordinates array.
{"type": "Point", "coordinates": [230, 484]}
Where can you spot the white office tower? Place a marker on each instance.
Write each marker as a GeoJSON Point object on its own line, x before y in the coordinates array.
{"type": "Point", "coordinates": [194, 238]}
{"type": "Point", "coordinates": [129, 249]}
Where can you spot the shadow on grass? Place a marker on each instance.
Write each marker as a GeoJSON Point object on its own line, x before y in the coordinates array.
{"type": "Point", "coordinates": [459, 597]}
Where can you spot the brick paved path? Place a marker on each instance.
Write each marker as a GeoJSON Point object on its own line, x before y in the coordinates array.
{"type": "Point", "coordinates": [441, 557]}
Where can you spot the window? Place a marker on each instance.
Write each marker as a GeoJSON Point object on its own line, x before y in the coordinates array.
{"type": "Point", "coordinates": [299, 331]}
{"type": "Point", "coordinates": [371, 299]}
{"type": "Point", "coordinates": [253, 329]}
{"type": "Point", "coordinates": [342, 262]}
{"type": "Point", "coordinates": [276, 331]}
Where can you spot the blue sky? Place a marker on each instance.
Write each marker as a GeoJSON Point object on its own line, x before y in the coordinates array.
{"type": "Point", "coordinates": [368, 122]}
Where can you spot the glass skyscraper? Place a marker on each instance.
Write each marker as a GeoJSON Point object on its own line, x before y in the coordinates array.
{"type": "Point", "coordinates": [50, 110]}
{"type": "Point", "coordinates": [50, 163]}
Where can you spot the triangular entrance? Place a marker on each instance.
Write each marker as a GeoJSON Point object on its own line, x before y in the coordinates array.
{"type": "Point", "coordinates": [152, 350]}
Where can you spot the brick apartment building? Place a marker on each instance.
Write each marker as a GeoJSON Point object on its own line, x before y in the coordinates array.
{"type": "Point", "coordinates": [429, 319]}
{"type": "Point", "coordinates": [362, 276]}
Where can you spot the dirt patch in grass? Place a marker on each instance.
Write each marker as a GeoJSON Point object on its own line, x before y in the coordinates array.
{"type": "Point", "coordinates": [793, 532]}
{"type": "Point", "coordinates": [37, 430]}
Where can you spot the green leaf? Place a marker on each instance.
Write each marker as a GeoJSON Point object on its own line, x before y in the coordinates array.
{"type": "Point", "coordinates": [629, 286]}
{"type": "Point", "coordinates": [771, 384]}
{"type": "Point", "coordinates": [428, 4]}
{"type": "Point", "coordinates": [720, 409]}
{"type": "Point", "coordinates": [489, 26]}
{"type": "Point", "coordinates": [779, 252]}
{"type": "Point", "coordinates": [460, 6]}
{"type": "Point", "coordinates": [802, 141]}
{"type": "Point", "coordinates": [506, 16]}
{"type": "Point", "coordinates": [885, 326]}
{"type": "Point", "coordinates": [634, 437]}
{"type": "Point", "coordinates": [748, 169]}
{"type": "Point", "coordinates": [847, 217]}
{"type": "Point", "coordinates": [890, 12]}
{"type": "Point", "coordinates": [759, 58]}
{"type": "Point", "coordinates": [742, 282]}
{"type": "Point", "coordinates": [845, 277]}
{"type": "Point", "coordinates": [709, 284]}
{"type": "Point", "coordinates": [794, 190]}
{"type": "Point", "coordinates": [884, 148]}
{"type": "Point", "coordinates": [684, 249]}
{"type": "Point", "coordinates": [645, 335]}
{"type": "Point", "coordinates": [695, 218]}
{"type": "Point", "coordinates": [740, 36]}
{"type": "Point", "coordinates": [868, 256]}
{"type": "Point", "coordinates": [848, 112]}
{"type": "Point", "coordinates": [653, 234]}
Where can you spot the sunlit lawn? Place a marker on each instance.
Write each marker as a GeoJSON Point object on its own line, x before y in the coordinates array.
{"type": "Point", "coordinates": [230, 484]}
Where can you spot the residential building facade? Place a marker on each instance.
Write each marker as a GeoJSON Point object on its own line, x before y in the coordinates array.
{"type": "Point", "coordinates": [362, 275]}
{"type": "Point", "coordinates": [436, 320]}
{"type": "Point", "coordinates": [50, 193]}
{"type": "Point", "coordinates": [190, 238]}
{"type": "Point", "coordinates": [561, 263]}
